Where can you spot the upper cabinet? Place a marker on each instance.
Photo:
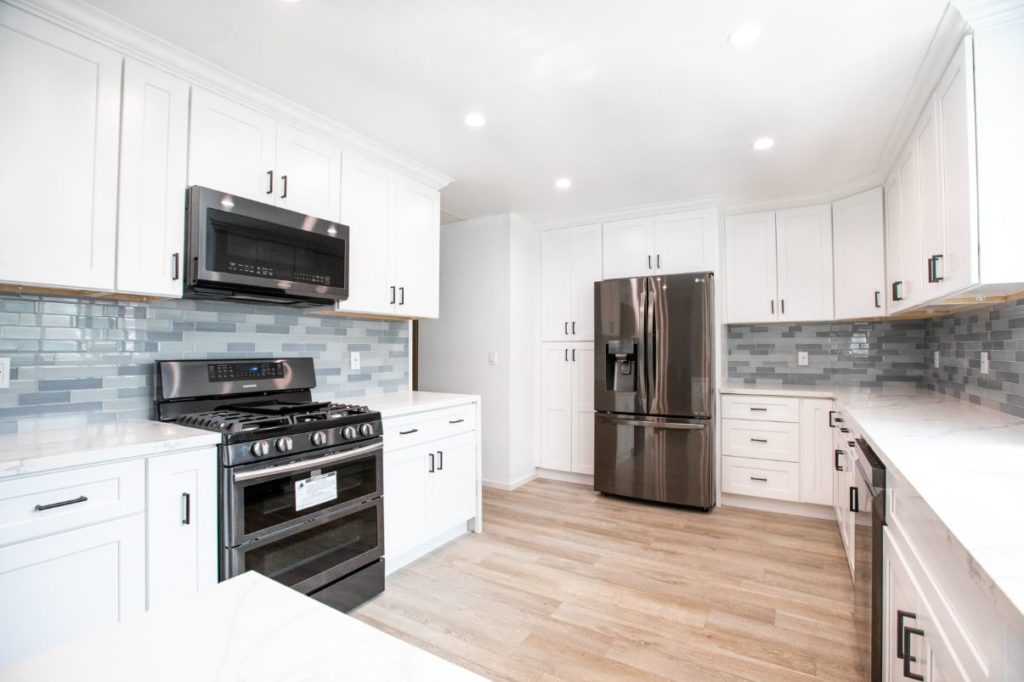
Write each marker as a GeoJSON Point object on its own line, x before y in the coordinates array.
{"type": "Point", "coordinates": [240, 151]}
{"type": "Point", "coordinates": [59, 126]}
{"type": "Point", "coordinates": [750, 268]}
{"type": "Point", "coordinates": [858, 255]}
{"type": "Point", "coordinates": [395, 235]}
{"type": "Point", "coordinates": [570, 264]}
{"type": "Point", "coordinates": [664, 244]}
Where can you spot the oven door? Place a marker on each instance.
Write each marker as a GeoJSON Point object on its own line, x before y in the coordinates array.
{"type": "Point", "coordinates": [316, 553]}
{"type": "Point", "coordinates": [265, 498]}
{"type": "Point", "coordinates": [246, 249]}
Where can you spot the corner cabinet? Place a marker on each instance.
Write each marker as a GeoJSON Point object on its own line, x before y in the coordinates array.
{"type": "Point", "coordinates": [395, 238]}
{"type": "Point", "coordinates": [570, 263]}
{"type": "Point", "coordinates": [664, 244]}
{"type": "Point", "coordinates": [567, 408]}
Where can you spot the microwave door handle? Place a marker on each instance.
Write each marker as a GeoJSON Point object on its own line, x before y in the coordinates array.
{"type": "Point", "coordinates": [304, 464]}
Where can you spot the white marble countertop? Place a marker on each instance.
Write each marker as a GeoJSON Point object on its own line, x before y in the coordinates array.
{"type": "Point", "coordinates": [785, 391]}
{"type": "Point", "coordinates": [38, 451]}
{"type": "Point", "coordinates": [409, 402]}
{"type": "Point", "coordinates": [247, 628]}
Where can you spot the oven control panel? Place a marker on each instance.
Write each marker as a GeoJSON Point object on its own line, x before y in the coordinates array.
{"type": "Point", "coordinates": [240, 371]}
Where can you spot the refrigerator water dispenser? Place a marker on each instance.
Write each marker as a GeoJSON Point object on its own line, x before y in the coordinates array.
{"type": "Point", "coordinates": [620, 365]}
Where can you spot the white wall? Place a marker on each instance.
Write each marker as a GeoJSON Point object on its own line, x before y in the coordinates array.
{"type": "Point", "coordinates": [524, 317]}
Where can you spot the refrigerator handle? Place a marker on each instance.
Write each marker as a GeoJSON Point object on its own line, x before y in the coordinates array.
{"type": "Point", "coordinates": [651, 350]}
{"type": "Point", "coordinates": [642, 350]}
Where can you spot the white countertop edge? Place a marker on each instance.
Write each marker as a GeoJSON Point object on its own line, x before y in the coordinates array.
{"type": "Point", "coordinates": [410, 402]}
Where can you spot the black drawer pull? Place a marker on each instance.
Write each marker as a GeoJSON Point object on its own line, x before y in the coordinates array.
{"type": "Point", "coordinates": [758, 440]}
{"type": "Point", "coordinates": [900, 617]}
{"type": "Point", "coordinates": [854, 499]}
{"type": "Point", "coordinates": [755, 478]}
{"type": "Point", "coordinates": [907, 658]}
{"type": "Point", "coordinates": [758, 409]}
{"type": "Point", "coordinates": [64, 503]}
{"type": "Point", "coordinates": [456, 421]}
{"type": "Point", "coordinates": [406, 433]}
{"type": "Point", "coordinates": [839, 467]}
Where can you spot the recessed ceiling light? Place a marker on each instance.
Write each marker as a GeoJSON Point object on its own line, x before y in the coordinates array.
{"type": "Point", "coordinates": [763, 143]}
{"type": "Point", "coordinates": [475, 119]}
{"type": "Point", "coordinates": [563, 183]}
{"type": "Point", "coordinates": [745, 35]}
{"type": "Point", "coordinates": [291, 1]}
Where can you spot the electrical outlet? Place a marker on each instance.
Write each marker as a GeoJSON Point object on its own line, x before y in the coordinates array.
{"type": "Point", "coordinates": [984, 362]}
{"type": "Point", "coordinates": [935, 360]}
{"type": "Point", "coordinates": [353, 360]}
{"type": "Point", "coordinates": [802, 359]}
{"type": "Point", "coordinates": [492, 357]}
{"type": "Point", "coordinates": [5, 372]}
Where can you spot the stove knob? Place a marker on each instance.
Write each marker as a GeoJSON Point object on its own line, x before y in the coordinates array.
{"type": "Point", "coordinates": [260, 448]}
{"type": "Point", "coordinates": [348, 433]}
{"type": "Point", "coordinates": [318, 438]}
{"type": "Point", "coordinates": [284, 444]}
{"type": "Point", "coordinates": [366, 429]}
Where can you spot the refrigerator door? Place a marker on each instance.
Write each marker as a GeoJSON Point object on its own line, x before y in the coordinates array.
{"type": "Point", "coordinates": [679, 345]}
{"type": "Point", "coordinates": [619, 348]}
{"type": "Point", "coordinates": [653, 458]}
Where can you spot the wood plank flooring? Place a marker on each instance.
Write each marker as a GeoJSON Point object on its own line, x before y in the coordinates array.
{"type": "Point", "coordinates": [567, 584]}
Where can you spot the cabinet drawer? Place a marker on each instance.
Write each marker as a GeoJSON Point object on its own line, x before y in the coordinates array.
{"type": "Point", "coordinates": [761, 407]}
{"type": "Point", "coordinates": [422, 427]}
{"type": "Point", "coordinates": [761, 440]}
{"type": "Point", "coordinates": [91, 495]}
{"type": "Point", "coordinates": [760, 478]}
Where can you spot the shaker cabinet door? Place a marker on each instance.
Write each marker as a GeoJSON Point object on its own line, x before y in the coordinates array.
{"type": "Point", "coordinates": [628, 248]}
{"type": "Point", "coordinates": [415, 241]}
{"type": "Point", "coordinates": [582, 356]}
{"type": "Point", "coordinates": [686, 242]}
{"type": "Point", "coordinates": [557, 419]}
{"type": "Point", "coordinates": [858, 250]}
{"type": "Point", "coordinates": [555, 285]}
{"type": "Point", "coordinates": [585, 254]}
{"type": "Point", "coordinates": [453, 481]}
{"type": "Point", "coordinates": [366, 209]}
{"type": "Point", "coordinates": [408, 508]}
{"type": "Point", "coordinates": [750, 271]}
{"type": "Point", "coordinates": [59, 125]}
{"type": "Point", "coordinates": [805, 263]}
{"type": "Point", "coordinates": [309, 174]}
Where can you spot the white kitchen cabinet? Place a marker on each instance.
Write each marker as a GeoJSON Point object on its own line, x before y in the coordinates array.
{"type": "Point", "coordinates": [453, 481]}
{"type": "Point", "coordinates": [59, 126]}
{"type": "Point", "coordinates": [567, 407]}
{"type": "Point", "coordinates": [816, 456]}
{"type": "Point", "coordinates": [406, 521]}
{"type": "Point", "coordinates": [804, 251]}
{"type": "Point", "coordinates": [570, 264]}
{"type": "Point", "coordinates": [858, 251]}
{"type": "Point", "coordinates": [181, 525]}
{"type": "Point", "coordinates": [893, 243]}
{"type": "Point", "coordinates": [751, 269]}
{"type": "Point", "coordinates": [151, 200]}
{"type": "Point", "coordinates": [58, 587]}
{"type": "Point", "coordinates": [416, 248]}
{"type": "Point", "coordinates": [664, 244]}
{"type": "Point", "coordinates": [366, 209]}
{"type": "Point", "coordinates": [929, 187]}
{"type": "Point", "coordinates": [309, 174]}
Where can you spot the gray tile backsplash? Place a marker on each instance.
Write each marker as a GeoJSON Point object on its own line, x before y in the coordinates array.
{"type": "Point", "coordinates": [879, 353]}
{"type": "Point", "coordinates": [80, 361]}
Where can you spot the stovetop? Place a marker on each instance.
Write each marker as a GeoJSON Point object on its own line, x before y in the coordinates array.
{"type": "Point", "coordinates": [257, 417]}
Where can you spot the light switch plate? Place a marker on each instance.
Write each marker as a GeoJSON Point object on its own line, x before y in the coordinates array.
{"type": "Point", "coordinates": [936, 360]}
{"type": "Point", "coordinates": [5, 372]}
{"type": "Point", "coordinates": [802, 359]}
{"type": "Point", "coordinates": [492, 357]}
{"type": "Point", "coordinates": [984, 362]}
{"type": "Point", "coordinates": [354, 362]}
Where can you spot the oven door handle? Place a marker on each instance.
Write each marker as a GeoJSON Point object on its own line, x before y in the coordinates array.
{"type": "Point", "coordinates": [304, 464]}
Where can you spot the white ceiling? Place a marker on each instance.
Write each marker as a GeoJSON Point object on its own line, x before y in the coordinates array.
{"type": "Point", "coordinates": [637, 102]}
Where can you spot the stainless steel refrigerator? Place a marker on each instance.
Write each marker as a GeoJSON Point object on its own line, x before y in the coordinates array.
{"type": "Point", "coordinates": [654, 388]}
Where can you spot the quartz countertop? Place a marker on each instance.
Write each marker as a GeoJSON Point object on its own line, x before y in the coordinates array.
{"type": "Point", "coordinates": [247, 628]}
{"type": "Point", "coordinates": [38, 451]}
{"type": "Point", "coordinates": [965, 461]}
{"type": "Point", "coordinates": [409, 402]}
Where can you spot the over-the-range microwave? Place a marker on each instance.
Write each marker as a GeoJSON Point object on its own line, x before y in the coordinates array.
{"type": "Point", "coordinates": [243, 250]}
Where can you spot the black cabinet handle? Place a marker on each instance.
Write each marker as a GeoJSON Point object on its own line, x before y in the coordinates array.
{"type": "Point", "coordinates": [406, 433]}
{"type": "Point", "coordinates": [659, 260]}
{"type": "Point", "coordinates": [392, 295]}
{"type": "Point", "coordinates": [839, 467]}
{"type": "Point", "coordinates": [897, 290]}
{"type": "Point", "coordinates": [933, 269]}
{"type": "Point", "coordinates": [284, 186]}
{"type": "Point", "coordinates": [574, 355]}
{"type": "Point", "coordinates": [854, 499]}
{"type": "Point", "coordinates": [456, 421]}
{"type": "Point", "coordinates": [649, 262]}
{"type": "Point", "coordinates": [878, 299]}
{"type": "Point", "coordinates": [270, 182]}
{"type": "Point", "coordinates": [756, 478]}
{"type": "Point", "coordinates": [175, 266]}
{"type": "Point", "coordinates": [440, 460]}
{"type": "Point", "coordinates": [574, 328]}
{"type": "Point", "coordinates": [567, 355]}
{"type": "Point", "coordinates": [907, 658]}
{"type": "Point", "coordinates": [567, 329]}
{"type": "Point", "coordinates": [900, 617]}
{"type": "Point", "coordinates": [186, 500]}
{"type": "Point", "coordinates": [782, 306]}
{"type": "Point", "coordinates": [758, 409]}
{"type": "Point", "coordinates": [758, 440]}
{"type": "Point", "coordinates": [401, 295]}
{"type": "Point", "coordinates": [432, 469]}
{"type": "Point", "coordinates": [842, 429]}
{"type": "Point", "coordinates": [62, 503]}
{"type": "Point", "coordinates": [772, 303]}
{"type": "Point", "coordinates": [831, 418]}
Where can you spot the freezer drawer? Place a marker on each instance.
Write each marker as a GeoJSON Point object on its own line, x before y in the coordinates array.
{"type": "Point", "coordinates": [653, 458]}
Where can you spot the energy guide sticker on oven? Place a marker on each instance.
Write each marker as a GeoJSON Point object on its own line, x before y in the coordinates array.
{"type": "Point", "coordinates": [315, 490]}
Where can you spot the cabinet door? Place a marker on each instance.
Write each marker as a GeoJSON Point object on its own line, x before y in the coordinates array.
{"type": "Point", "coordinates": [585, 256]}
{"type": "Point", "coordinates": [232, 148]}
{"type": "Point", "coordinates": [805, 263]}
{"type": "Point", "coordinates": [750, 271]}
{"type": "Point", "coordinates": [453, 483]}
{"type": "Point", "coordinates": [686, 242]}
{"type": "Point", "coordinates": [181, 525]}
{"type": "Point", "coordinates": [63, 586]}
{"type": "Point", "coordinates": [893, 245]}
{"type": "Point", "coordinates": [815, 452]}
{"type": "Point", "coordinates": [366, 209]}
{"type": "Point", "coordinates": [628, 248]}
{"type": "Point", "coordinates": [910, 229]}
{"type": "Point", "coordinates": [582, 361]}
{"type": "Point", "coordinates": [837, 459]}
{"type": "Point", "coordinates": [556, 307]}
{"type": "Point", "coordinates": [958, 265]}
{"type": "Point", "coordinates": [151, 204]}
{"type": "Point", "coordinates": [58, 154]}
{"type": "Point", "coordinates": [309, 174]}
{"type": "Point", "coordinates": [408, 510]}
{"type": "Point", "coordinates": [858, 250]}
{"type": "Point", "coordinates": [933, 234]}
{"type": "Point", "coordinates": [415, 242]}
{"type": "Point", "coordinates": [556, 416]}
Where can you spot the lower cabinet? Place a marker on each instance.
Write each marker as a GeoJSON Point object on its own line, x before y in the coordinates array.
{"type": "Point", "coordinates": [815, 452]}
{"type": "Point", "coordinates": [567, 407]}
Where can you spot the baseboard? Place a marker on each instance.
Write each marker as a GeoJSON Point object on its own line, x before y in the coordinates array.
{"type": "Point", "coordinates": [814, 511]}
{"type": "Point", "coordinates": [566, 476]}
{"type": "Point", "coordinates": [502, 485]}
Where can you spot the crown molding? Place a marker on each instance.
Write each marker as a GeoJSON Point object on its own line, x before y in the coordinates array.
{"type": "Point", "coordinates": [982, 14]}
{"type": "Point", "coordinates": [857, 186]}
{"type": "Point", "coordinates": [135, 43]}
{"type": "Point", "coordinates": [636, 211]}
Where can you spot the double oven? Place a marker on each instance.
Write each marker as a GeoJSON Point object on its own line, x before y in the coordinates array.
{"type": "Point", "coordinates": [277, 521]}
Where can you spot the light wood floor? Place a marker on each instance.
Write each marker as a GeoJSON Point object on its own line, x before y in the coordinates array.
{"type": "Point", "coordinates": [566, 584]}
